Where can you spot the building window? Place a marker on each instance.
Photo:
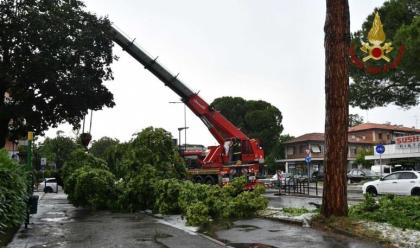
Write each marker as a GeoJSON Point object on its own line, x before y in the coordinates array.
{"type": "Point", "coordinates": [290, 150]}
{"type": "Point", "coordinates": [380, 136]}
{"type": "Point", "coordinates": [315, 148]}
{"type": "Point", "coordinates": [302, 149]}
{"type": "Point", "coordinates": [388, 137]}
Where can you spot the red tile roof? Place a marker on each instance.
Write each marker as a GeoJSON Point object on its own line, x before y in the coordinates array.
{"type": "Point", "coordinates": [368, 126]}
{"type": "Point", "coordinates": [320, 137]}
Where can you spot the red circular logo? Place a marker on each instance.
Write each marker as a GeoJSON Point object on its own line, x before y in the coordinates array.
{"type": "Point", "coordinates": [376, 52]}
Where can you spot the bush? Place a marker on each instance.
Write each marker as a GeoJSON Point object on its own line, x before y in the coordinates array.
{"type": "Point", "coordinates": [197, 214]}
{"type": "Point", "coordinates": [137, 193]}
{"type": "Point", "coordinates": [167, 193]}
{"type": "Point", "coordinates": [13, 192]}
{"type": "Point", "coordinates": [93, 188]}
{"type": "Point", "coordinates": [247, 203]}
{"type": "Point", "coordinates": [78, 159]}
{"type": "Point", "coordinates": [400, 211]}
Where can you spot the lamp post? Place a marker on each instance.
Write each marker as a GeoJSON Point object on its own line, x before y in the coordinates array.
{"type": "Point", "coordinates": [179, 145]}
{"type": "Point", "coordinates": [184, 127]}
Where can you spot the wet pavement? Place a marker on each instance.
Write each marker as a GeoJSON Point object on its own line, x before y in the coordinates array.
{"type": "Point", "coordinates": [262, 233]}
{"type": "Point", "coordinates": [59, 224]}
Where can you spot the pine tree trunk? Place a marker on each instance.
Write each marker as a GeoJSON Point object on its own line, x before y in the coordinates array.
{"type": "Point", "coordinates": [337, 42]}
{"type": "Point", "coordinates": [4, 119]}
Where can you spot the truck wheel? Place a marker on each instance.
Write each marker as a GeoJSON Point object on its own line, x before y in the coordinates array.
{"type": "Point", "coordinates": [198, 179]}
{"type": "Point", "coordinates": [209, 180]}
{"type": "Point", "coordinates": [415, 192]}
{"type": "Point", "coordinates": [48, 190]}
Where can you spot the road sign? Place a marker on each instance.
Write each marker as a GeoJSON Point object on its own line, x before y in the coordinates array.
{"type": "Point", "coordinates": [380, 148]}
{"type": "Point", "coordinates": [308, 159]}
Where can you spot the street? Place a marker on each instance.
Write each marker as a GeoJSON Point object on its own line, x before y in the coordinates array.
{"type": "Point", "coordinates": [59, 224]}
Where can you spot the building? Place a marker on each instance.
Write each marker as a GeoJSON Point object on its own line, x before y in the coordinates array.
{"type": "Point", "coordinates": [404, 153]}
{"type": "Point", "coordinates": [380, 133]}
{"type": "Point", "coordinates": [361, 137]}
{"type": "Point", "coordinates": [11, 147]}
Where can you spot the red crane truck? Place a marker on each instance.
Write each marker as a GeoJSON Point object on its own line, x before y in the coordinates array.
{"type": "Point", "coordinates": [235, 155]}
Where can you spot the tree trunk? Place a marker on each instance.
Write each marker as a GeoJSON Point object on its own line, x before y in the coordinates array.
{"type": "Point", "coordinates": [4, 119]}
{"type": "Point", "coordinates": [337, 42]}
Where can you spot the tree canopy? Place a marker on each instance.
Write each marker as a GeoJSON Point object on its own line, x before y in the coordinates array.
{"type": "Point", "coordinates": [355, 119]}
{"type": "Point", "coordinates": [401, 24]}
{"type": "Point", "coordinates": [57, 150]}
{"type": "Point", "coordinates": [257, 119]}
{"type": "Point", "coordinates": [54, 58]}
{"type": "Point", "coordinates": [99, 147]}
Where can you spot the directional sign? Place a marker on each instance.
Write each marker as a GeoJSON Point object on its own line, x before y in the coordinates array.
{"type": "Point", "coordinates": [308, 159]}
{"type": "Point", "coordinates": [380, 148]}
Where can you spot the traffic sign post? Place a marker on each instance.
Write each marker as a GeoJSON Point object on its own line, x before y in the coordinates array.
{"type": "Point", "coordinates": [380, 149]}
{"type": "Point", "coordinates": [308, 160]}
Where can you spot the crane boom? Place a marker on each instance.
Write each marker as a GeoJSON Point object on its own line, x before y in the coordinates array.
{"type": "Point", "coordinates": [219, 126]}
{"type": "Point", "coordinates": [247, 150]}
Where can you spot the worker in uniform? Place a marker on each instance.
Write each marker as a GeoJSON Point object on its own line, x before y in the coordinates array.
{"type": "Point", "coordinates": [236, 150]}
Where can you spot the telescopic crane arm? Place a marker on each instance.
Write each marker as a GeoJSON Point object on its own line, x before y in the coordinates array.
{"type": "Point", "coordinates": [217, 124]}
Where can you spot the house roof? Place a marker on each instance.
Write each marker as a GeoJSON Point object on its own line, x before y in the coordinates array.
{"type": "Point", "coordinates": [369, 126]}
{"type": "Point", "coordinates": [320, 138]}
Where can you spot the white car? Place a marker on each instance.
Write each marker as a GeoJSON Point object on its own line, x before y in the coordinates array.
{"type": "Point", "coordinates": [398, 183]}
{"type": "Point", "coordinates": [49, 185]}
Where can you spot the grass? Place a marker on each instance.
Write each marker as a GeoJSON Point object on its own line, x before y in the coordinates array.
{"type": "Point", "coordinates": [349, 227]}
{"type": "Point", "coordinates": [399, 211]}
{"type": "Point", "coordinates": [295, 211]}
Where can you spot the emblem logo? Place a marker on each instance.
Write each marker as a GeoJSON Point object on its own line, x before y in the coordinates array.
{"type": "Point", "coordinates": [376, 49]}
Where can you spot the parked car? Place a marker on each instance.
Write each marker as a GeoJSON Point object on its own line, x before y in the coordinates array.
{"type": "Point", "coordinates": [49, 185]}
{"type": "Point", "coordinates": [317, 175]}
{"type": "Point", "coordinates": [275, 182]}
{"type": "Point", "coordinates": [399, 183]}
{"type": "Point", "coordinates": [358, 175]}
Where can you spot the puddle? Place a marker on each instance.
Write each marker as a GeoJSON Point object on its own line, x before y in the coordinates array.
{"type": "Point", "coordinates": [245, 228]}
{"type": "Point", "coordinates": [57, 219]}
{"type": "Point", "coordinates": [262, 233]}
{"type": "Point", "coordinates": [247, 245]}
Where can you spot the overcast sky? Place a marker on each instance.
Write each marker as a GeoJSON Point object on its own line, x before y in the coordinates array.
{"type": "Point", "coordinates": [269, 50]}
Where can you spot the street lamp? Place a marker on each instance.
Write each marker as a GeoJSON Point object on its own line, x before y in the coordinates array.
{"type": "Point", "coordinates": [179, 145]}
{"type": "Point", "coordinates": [183, 128]}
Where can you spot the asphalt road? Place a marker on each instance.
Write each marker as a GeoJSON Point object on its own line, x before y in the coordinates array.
{"type": "Point", "coordinates": [59, 224]}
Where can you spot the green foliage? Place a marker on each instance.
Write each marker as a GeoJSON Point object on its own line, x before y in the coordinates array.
{"type": "Point", "coordinates": [154, 146]}
{"type": "Point", "coordinates": [258, 119]}
{"type": "Point", "coordinates": [138, 191]}
{"type": "Point", "coordinates": [100, 147]}
{"type": "Point", "coordinates": [57, 150]}
{"type": "Point", "coordinates": [247, 203]}
{"type": "Point", "coordinates": [295, 211]}
{"type": "Point", "coordinates": [360, 157]}
{"type": "Point", "coordinates": [400, 211]}
{"type": "Point", "coordinates": [142, 174]}
{"type": "Point", "coordinates": [236, 186]}
{"type": "Point", "coordinates": [55, 57]}
{"type": "Point", "coordinates": [278, 152]}
{"type": "Point", "coordinates": [197, 214]}
{"type": "Point", "coordinates": [401, 25]}
{"type": "Point", "coordinates": [167, 193]}
{"type": "Point", "coordinates": [355, 119]}
{"type": "Point", "coordinates": [13, 192]}
{"type": "Point", "coordinates": [80, 158]}
{"type": "Point", "coordinates": [94, 188]}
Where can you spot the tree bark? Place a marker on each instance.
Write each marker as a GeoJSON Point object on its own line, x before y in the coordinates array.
{"type": "Point", "coordinates": [337, 42]}
{"type": "Point", "coordinates": [4, 118]}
